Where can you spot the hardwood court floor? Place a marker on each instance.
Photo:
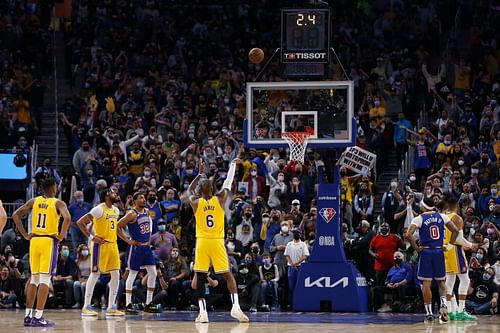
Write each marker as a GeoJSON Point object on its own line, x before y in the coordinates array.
{"type": "Point", "coordinates": [70, 321]}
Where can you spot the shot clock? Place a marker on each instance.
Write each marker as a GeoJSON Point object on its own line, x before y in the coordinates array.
{"type": "Point", "coordinates": [305, 35]}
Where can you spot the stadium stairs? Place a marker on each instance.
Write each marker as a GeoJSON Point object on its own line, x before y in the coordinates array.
{"type": "Point", "coordinates": [46, 139]}
{"type": "Point", "coordinates": [390, 171]}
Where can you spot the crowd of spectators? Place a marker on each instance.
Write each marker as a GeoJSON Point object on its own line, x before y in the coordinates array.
{"type": "Point", "coordinates": [24, 63]}
{"type": "Point", "coordinates": [159, 85]}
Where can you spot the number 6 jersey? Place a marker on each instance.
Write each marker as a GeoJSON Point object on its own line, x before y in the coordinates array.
{"type": "Point", "coordinates": [209, 218]}
{"type": "Point", "coordinates": [105, 221]}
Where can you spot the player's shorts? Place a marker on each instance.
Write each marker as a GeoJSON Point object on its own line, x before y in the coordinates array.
{"type": "Point", "coordinates": [43, 255]}
{"type": "Point", "coordinates": [431, 265]}
{"type": "Point", "coordinates": [455, 260]}
{"type": "Point", "coordinates": [104, 257]}
{"type": "Point", "coordinates": [211, 252]}
{"type": "Point", "coordinates": [139, 256]}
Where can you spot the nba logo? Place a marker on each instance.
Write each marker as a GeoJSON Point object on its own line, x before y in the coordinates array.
{"type": "Point", "coordinates": [327, 214]}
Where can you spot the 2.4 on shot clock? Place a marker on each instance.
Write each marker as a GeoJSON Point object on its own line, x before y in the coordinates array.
{"type": "Point", "coordinates": [305, 35]}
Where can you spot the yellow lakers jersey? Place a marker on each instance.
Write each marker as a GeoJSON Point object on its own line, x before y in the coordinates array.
{"type": "Point", "coordinates": [209, 218]}
{"type": "Point", "coordinates": [44, 217]}
{"type": "Point", "coordinates": [447, 235]}
{"type": "Point", "coordinates": [105, 226]}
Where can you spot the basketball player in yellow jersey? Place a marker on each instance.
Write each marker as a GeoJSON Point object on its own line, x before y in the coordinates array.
{"type": "Point", "coordinates": [210, 249]}
{"type": "Point", "coordinates": [456, 265]}
{"type": "Point", "coordinates": [104, 255]}
{"type": "Point", "coordinates": [44, 238]}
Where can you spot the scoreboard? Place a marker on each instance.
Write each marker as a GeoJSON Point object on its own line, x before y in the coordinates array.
{"type": "Point", "coordinates": [305, 35]}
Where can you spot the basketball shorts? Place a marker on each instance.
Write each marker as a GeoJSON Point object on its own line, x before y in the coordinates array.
{"type": "Point", "coordinates": [455, 260]}
{"type": "Point", "coordinates": [43, 255]}
{"type": "Point", "coordinates": [431, 265]}
{"type": "Point", "coordinates": [104, 257]}
{"type": "Point", "coordinates": [211, 252]}
{"type": "Point", "coordinates": [139, 256]}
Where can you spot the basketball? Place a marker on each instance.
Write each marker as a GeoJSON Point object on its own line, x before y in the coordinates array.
{"type": "Point", "coordinates": [256, 55]}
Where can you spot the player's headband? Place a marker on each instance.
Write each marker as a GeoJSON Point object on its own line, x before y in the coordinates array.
{"type": "Point", "coordinates": [425, 206]}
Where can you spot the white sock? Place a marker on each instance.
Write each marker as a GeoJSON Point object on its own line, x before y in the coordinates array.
{"type": "Point", "coordinates": [29, 312]}
{"type": "Point", "coordinates": [149, 296]}
{"type": "Point", "coordinates": [203, 305]}
{"type": "Point", "coordinates": [428, 309]}
{"type": "Point", "coordinates": [113, 288]}
{"type": "Point", "coordinates": [449, 305]}
{"type": "Point", "coordinates": [443, 301]}
{"type": "Point", "coordinates": [235, 300]}
{"type": "Point", "coordinates": [129, 285]}
{"type": "Point", "coordinates": [89, 289]}
{"type": "Point", "coordinates": [461, 305]}
{"type": "Point", "coordinates": [38, 314]}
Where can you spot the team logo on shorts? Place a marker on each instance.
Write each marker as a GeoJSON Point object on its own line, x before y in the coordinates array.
{"type": "Point", "coordinates": [327, 214]}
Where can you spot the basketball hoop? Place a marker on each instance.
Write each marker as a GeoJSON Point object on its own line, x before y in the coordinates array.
{"type": "Point", "coordinates": [297, 141]}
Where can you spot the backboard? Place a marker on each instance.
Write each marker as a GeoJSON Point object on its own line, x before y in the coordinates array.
{"type": "Point", "coordinates": [322, 108]}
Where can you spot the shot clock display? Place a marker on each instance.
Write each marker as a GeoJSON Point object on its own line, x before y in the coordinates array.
{"type": "Point", "coordinates": [305, 35]}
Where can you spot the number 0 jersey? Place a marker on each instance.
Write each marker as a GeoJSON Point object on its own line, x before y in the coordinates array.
{"type": "Point", "coordinates": [105, 221]}
{"type": "Point", "coordinates": [44, 217]}
{"type": "Point", "coordinates": [209, 218]}
{"type": "Point", "coordinates": [431, 228]}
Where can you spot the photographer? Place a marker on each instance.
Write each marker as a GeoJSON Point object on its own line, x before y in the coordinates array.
{"type": "Point", "coordinates": [483, 293]}
{"type": "Point", "coordinates": [406, 212]}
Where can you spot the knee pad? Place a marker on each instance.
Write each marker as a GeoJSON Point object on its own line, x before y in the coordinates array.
{"type": "Point", "coordinates": [35, 279]}
{"type": "Point", "coordinates": [44, 279]}
{"type": "Point", "coordinates": [151, 276]}
{"type": "Point", "coordinates": [130, 280]}
{"type": "Point", "coordinates": [450, 283]}
{"type": "Point", "coordinates": [464, 283]}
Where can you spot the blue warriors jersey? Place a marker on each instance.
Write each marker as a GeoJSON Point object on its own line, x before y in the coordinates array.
{"type": "Point", "coordinates": [432, 231]}
{"type": "Point", "coordinates": [140, 230]}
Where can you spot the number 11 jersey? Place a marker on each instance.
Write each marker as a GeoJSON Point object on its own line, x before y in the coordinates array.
{"type": "Point", "coordinates": [209, 219]}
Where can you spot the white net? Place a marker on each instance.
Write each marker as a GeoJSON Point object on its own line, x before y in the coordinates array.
{"type": "Point", "coordinates": [297, 141]}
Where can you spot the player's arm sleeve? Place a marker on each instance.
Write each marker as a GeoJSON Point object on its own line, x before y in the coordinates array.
{"type": "Point", "coordinates": [230, 176]}
{"type": "Point", "coordinates": [462, 241]}
{"type": "Point", "coordinates": [97, 212]}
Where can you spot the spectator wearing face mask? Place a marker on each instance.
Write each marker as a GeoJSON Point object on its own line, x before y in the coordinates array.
{"type": "Point", "coordinates": [494, 217]}
{"type": "Point", "coordinates": [487, 171]}
{"type": "Point", "coordinates": [273, 228]}
{"type": "Point", "coordinates": [65, 275]}
{"type": "Point", "coordinates": [251, 263]}
{"type": "Point", "coordinates": [78, 209]}
{"type": "Point", "coordinates": [363, 205]}
{"type": "Point", "coordinates": [163, 241]}
{"type": "Point", "coordinates": [483, 293]}
{"type": "Point", "coordinates": [296, 252]}
{"type": "Point", "coordinates": [154, 210]}
{"type": "Point", "coordinates": [82, 274]}
{"type": "Point", "coordinates": [390, 203]}
{"type": "Point", "coordinates": [269, 277]}
{"type": "Point", "coordinates": [256, 184]}
{"type": "Point", "coordinates": [82, 155]}
{"type": "Point", "coordinates": [234, 247]}
{"type": "Point", "coordinates": [245, 230]}
{"type": "Point", "coordinates": [248, 288]}
{"type": "Point", "coordinates": [399, 279]}
{"type": "Point", "coordinates": [382, 248]}
{"type": "Point", "coordinates": [176, 271]}
{"type": "Point", "coordinates": [278, 246]}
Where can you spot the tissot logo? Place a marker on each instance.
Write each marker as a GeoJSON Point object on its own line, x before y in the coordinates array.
{"type": "Point", "coordinates": [305, 56]}
{"type": "Point", "coordinates": [326, 282]}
